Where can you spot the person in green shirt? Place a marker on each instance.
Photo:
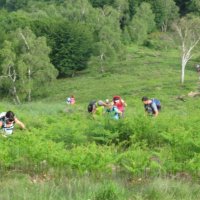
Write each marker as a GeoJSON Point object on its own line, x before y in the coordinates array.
{"type": "Point", "coordinates": [97, 107]}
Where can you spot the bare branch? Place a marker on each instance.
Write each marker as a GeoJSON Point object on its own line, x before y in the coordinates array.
{"type": "Point", "coordinates": [25, 41]}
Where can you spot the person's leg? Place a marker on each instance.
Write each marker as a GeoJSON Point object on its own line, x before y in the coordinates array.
{"type": "Point", "coordinates": [159, 107]}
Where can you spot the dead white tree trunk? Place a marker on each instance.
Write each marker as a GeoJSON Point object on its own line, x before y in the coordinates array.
{"type": "Point", "coordinates": [186, 50]}
{"type": "Point", "coordinates": [29, 89]}
{"type": "Point", "coordinates": [29, 70]}
{"type": "Point", "coordinates": [101, 62]}
{"type": "Point", "coordinates": [12, 75]}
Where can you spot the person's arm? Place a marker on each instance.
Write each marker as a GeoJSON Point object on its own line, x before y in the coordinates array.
{"type": "Point", "coordinates": [101, 103]}
{"type": "Point", "coordinates": [1, 123]}
{"type": "Point", "coordinates": [22, 126]}
{"type": "Point", "coordinates": [155, 109]}
{"type": "Point", "coordinates": [124, 103]}
{"type": "Point", "coordinates": [118, 111]}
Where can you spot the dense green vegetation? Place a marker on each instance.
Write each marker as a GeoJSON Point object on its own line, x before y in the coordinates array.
{"type": "Point", "coordinates": [64, 142]}
{"type": "Point", "coordinates": [96, 49]}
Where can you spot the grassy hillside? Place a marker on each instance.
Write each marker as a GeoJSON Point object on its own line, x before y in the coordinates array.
{"type": "Point", "coordinates": [142, 72]}
{"type": "Point", "coordinates": [63, 148]}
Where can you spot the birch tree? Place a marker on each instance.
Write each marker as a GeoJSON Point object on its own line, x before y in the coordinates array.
{"type": "Point", "coordinates": [165, 11]}
{"type": "Point", "coordinates": [8, 77]}
{"type": "Point", "coordinates": [142, 23]}
{"type": "Point", "coordinates": [108, 44]}
{"type": "Point", "coordinates": [195, 7]}
{"type": "Point", "coordinates": [25, 65]}
{"type": "Point", "coordinates": [188, 32]}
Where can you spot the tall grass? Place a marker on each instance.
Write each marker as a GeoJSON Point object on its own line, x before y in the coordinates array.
{"type": "Point", "coordinates": [85, 188]}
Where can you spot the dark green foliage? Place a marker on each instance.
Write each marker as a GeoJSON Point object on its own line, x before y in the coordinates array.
{"type": "Point", "coordinates": [101, 3]}
{"type": "Point", "coordinates": [13, 4]}
{"type": "Point", "coordinates": [133, 5]}
{"type": "Point", "coordinates": [71, 49]}
{"type": "Point", "coordinates": [12, 21]}
{"type": "Point", "coordinates": [165, 12]}
{"type": "Point", "coordinates": [71, 45]}
{"type": "Point", "coordinates": [142, 23]}
{"type": "Point", "coordinates": [183, 6]}
{"type": "Point", "coordinates": [195, 7]}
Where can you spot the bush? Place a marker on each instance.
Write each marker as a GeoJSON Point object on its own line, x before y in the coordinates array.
{"type": "Point", "coordinates": [109, 191]}
{"type": "Point", "coordinates": [159, 41]}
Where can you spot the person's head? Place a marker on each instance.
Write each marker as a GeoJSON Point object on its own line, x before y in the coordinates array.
{"type": "Point", "coordinates": [116, 99]}
{"type": "Point", "coordinates": [90, 108]}
{"type": "Point", "coordinates": [107, 101]}
{"type": "Point", "coordinates": [72, 96]}
{"type": "Point", "coordinates": [9, 117]}
{"type": "Point", "coordinates": [145, 100]}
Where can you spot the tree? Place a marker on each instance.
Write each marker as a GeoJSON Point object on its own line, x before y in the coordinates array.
{"type": "Point", "coordinates": [142, 23]}
{"type": "Point", "coordinates": [10, 21]}
{"type": "Point", "coordinates": [25, 64]}
{"type": "Point", "coordinates": [104, 23]}
{"type": "Point", "coordinates": [13, 4]}
{"type": "Point", "coordinates": [183, 6]}
{"type": "Point", "coordinates": [8, 76]}
{"type": "Point", "coordinates": [71, 47]}
{"type": "Point", "coordinates": [122, 6]}
{"type": "Point", "coordinates": [68, 29]}
{"type": "Point", "coordinates": [133, 5]}
{"type": "Point", "coordinates": [165, 11]}
{"type": "Point", "coordinates": [77, 10]}
{"type": "Point", "coordinates": [188, 32]}
{"type": "Point", "coordinates": [108, 41]}
{"type": "Point", "coordinates": [101, 3]}
{"type": "Point", "coordinates": [195, 7]}
{"type": "Point", "coordinates": [82, 31]}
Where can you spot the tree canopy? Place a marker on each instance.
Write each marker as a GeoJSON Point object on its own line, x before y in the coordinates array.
{"type": "Point", "coordinates": [76, 34]}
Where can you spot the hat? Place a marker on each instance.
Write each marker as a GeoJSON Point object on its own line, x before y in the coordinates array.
{"type": "Point", "coordinates": [116, 98]}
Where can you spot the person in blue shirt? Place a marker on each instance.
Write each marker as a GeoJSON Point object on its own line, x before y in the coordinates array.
{"type": "Point", "coordinates": [151, 106]}
{"type": "Point", "coordinates": [113, 111]}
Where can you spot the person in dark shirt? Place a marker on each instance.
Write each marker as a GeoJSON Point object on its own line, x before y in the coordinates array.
{"type": "Point", "coordinates": [151, 106]}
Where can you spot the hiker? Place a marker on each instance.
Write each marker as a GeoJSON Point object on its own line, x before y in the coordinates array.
{"type": "Point", "coordinates": [151, 106]}
{"type": "Point", "coordinates": [7, 122]}
{"type": "Point", "coordinates": [113, 111]}
{"type": "Point", "coordinates": [97, 107]}
{"type": "Point", "coordinates": [120, 104]}
{"type": "Point", "coordinates": [71, 100]}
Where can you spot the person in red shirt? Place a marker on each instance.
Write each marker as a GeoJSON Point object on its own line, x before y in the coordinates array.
{"type": "Point", "coordinates": [120, 104]}
{"type": "Point", "coordinates": [72, 100]}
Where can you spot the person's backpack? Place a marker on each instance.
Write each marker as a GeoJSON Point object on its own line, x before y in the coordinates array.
{"type": "Point", "coordinates": [90, 106]}
{"type": "Point", "coordinates": [157, 102]}
{"type": "Point", "coordinates": [68, 100]}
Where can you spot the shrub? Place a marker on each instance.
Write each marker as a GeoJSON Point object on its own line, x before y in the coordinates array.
{"type": "Point", "coordinates": [109, 191]}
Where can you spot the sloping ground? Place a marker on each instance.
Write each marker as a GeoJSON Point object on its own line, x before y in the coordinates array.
{"type": "Point", "coordinates": [66, 142]}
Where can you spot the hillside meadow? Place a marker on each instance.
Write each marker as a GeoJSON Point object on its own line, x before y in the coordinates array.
{"type": "Point", "coordinates": [66, 154]}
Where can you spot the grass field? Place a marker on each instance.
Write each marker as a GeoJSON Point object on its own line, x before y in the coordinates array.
{"type": "Point", "coordinates": [64, 154]}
